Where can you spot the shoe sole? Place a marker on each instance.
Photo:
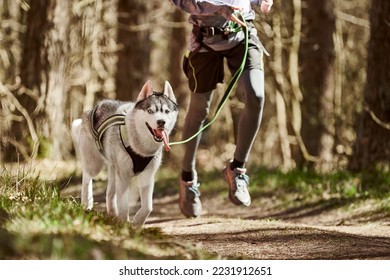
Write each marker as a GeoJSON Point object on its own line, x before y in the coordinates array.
{"type": "Point", "coordinates": [232, 198]}
{"type": "Point", "coordinates": [184, 210]}
{"type": "Point", "coordinates": [235, 201]}
{"type": "Point", "coordinates": [188, 215]}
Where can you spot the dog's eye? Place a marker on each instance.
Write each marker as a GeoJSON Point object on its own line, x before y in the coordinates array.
{"type": "Point", "coordinates": [167, 111]}
{"type": "Point", "coordinates": [150, 111]}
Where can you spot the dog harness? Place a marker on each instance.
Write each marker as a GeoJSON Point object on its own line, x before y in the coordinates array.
{"type": "Point", "coordinates": [139, 162]}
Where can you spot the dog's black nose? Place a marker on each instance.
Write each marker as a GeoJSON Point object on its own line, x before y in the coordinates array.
{"type": "Point", "coordinates": [160, 123]}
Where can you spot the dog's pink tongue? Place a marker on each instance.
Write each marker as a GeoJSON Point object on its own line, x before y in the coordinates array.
{"type": "Point", "coordinates": [164, 136]}
{"type": "Point", "coordinates": [166, 141]}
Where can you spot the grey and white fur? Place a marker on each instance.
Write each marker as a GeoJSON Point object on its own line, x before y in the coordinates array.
{"type": "Point", "coordinates": [148, 123]}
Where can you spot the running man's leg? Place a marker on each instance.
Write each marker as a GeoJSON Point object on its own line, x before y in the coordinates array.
{"type": "Point", "coordinates": [252, 83]}
{"type": "Point", "coordinates": [197, 112]}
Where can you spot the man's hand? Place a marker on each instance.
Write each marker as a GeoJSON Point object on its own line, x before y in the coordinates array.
{"type": "Point", "coordinates": [234, 17]}
{"type": "Point", "coordinates": [266, 5]}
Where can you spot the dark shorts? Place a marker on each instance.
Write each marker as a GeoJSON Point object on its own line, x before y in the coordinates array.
{"type": "Point", "coordinates": [205, 70]}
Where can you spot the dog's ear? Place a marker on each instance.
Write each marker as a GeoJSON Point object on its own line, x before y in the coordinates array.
{"type": "Point", "coordinates": [168, 91]}
{"type": "Point", "coordinates": [145, 91]}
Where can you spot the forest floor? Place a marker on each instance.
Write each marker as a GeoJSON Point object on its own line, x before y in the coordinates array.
{"type": "Point", "coordinates": [279, 224]}
{"type": "Point", "coordinates": [265, 231]}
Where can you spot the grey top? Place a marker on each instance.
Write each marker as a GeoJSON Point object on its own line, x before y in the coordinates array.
{"type": "Point", "coordinates": [216, 13]}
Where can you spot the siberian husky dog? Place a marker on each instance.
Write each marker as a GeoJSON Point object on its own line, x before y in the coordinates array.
{"type": "Point", "coordinates": [129, 138]}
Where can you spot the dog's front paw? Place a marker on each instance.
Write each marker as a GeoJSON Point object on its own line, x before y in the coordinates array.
{"type": "Point", "coordinates": [112, 210]}
{"type": "Point", "coordinates": [138, 222]}
{"type": "Point", "coordinates": [139, 219]}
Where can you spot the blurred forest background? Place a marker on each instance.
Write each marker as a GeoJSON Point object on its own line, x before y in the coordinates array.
{"type": "Point", "coordinates": [327, 78]}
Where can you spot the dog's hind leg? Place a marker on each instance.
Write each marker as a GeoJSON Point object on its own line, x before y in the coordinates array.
{"type": "Point", "coordinates": [146, 185]}
{"type": "Point", "coordinates": [92, 162]}
{"type": "Point", "coordinates": [86, 191]}
{"type": "Point", "coordinates": [90, 170]}
{"type": "Point", "coordinates": [111, 203]}
{"type": "Point", "coordinates": [75, 129]}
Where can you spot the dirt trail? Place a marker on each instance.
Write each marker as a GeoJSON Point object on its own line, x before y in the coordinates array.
{"type": "Point", "coordinates": [267, 229]}
{"type": "Point", "coordinates": [261, 232]}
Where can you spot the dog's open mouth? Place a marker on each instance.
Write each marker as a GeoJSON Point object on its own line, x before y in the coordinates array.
{"type": "Point", "coordinates": [160, 135]}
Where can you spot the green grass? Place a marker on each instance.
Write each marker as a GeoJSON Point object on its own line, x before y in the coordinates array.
{"type": "Point", "coordinates": [37, 223]}
{"type": "Point", "coordinates": [297, 188]}
{"type": "Point", "coordinates": [341, 184]}
{"type": "Point", "coordinates": [311, 191]}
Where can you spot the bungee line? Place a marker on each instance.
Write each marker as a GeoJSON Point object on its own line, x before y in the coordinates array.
{"type": "Point", "coordinates": [228, 91]}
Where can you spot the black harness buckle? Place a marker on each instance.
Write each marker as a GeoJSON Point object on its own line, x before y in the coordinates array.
{"type": "Point", "coordinates": [209, 31]}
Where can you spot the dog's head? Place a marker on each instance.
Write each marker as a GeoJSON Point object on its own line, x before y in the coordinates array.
{"type": "Point", "coordinates": [158, 112]}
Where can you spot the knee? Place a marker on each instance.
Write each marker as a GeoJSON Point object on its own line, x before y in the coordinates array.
{"type": "Point", "coordinates": [199, 106]}
{"type": "Point", "coordinates": [253, 86]}
{"type": "Point", "coordinates": [254, 100]}
{"type": "Point", "coordinates": [199, 114]}
{"type": "Point", "coordinates": [147, 209]}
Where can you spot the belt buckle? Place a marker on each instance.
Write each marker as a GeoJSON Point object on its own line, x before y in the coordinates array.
{"type": "Point", "coordinates": [210, 31]}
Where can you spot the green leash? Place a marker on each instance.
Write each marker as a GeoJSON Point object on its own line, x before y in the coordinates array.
{"type": "Point", "coordinates": [228, 91]}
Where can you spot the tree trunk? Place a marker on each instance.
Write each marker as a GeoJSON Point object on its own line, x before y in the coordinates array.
{"type": "Point", "coordinates": [177, 46]}
{"type": "Point", "coordinates": [281, 114]}
{"type": "Point", "coordinates": [32, 62]}
{"type": "Point", "coordinates": [44, 84]}
{"type": "Point", "coordinates": [317, 80]}
{"type": "Point", "coordinates": [30, 97]}
{"type": "Point", "coordinates": [11, 16]}
{"type": "Point", "coordinates": [134, 42]}
{"type": "Point", "coordinates": [94, 57]}
{"type": "Point", "coordinates": [57, 78]}
{"type": "Point", "coordinates": [372, 147]}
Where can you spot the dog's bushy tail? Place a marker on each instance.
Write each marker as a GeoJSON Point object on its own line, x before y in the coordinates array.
{"type": "Point", "coordinates": [76, 126]}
